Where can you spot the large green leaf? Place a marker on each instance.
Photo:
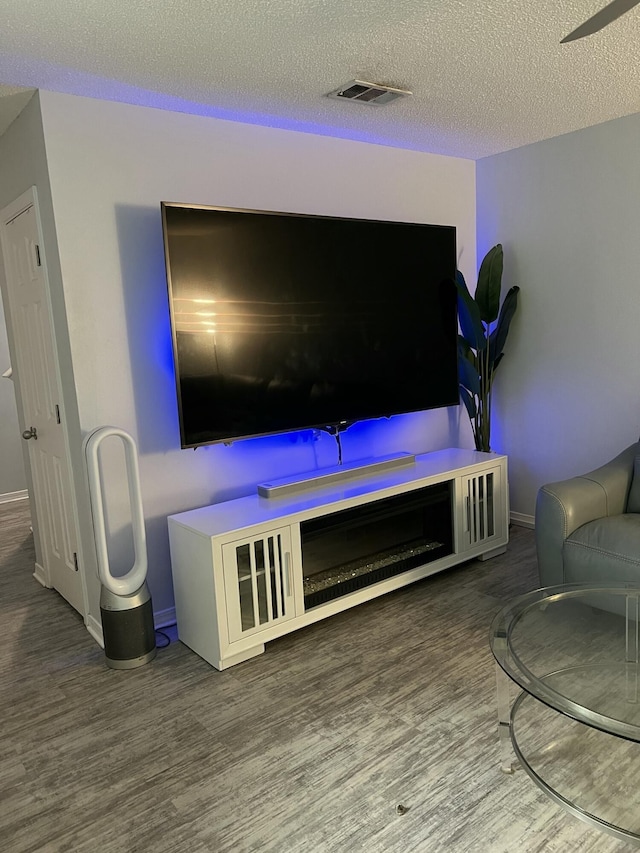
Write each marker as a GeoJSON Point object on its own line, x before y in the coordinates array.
{"type": "Point", "coordinates": [465, 351]}
{"type": "Point", "coordinates": [469, 315]}
{"type": "Point", "coordinates": [487, 295]}
{"type": "Point", "coordinates": [469, 402]}
{"type": "Point", "coordinates": [468, 373]}
{"type": "Point", "coordinates": [498, 337]}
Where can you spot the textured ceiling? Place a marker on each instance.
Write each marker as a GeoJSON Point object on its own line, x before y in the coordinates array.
{"type": "Point", "coordinates": [487, 75]}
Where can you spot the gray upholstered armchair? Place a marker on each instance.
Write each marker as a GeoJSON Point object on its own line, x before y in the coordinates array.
{"type": "Point", "coordinates": [588, 527]}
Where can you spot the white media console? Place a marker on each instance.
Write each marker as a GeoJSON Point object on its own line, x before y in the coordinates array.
{"type": "Point", "coordinates": [249, 570]}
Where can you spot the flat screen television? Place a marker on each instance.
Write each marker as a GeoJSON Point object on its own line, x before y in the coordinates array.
{"type": "Point", "coordinates": [285, 321]}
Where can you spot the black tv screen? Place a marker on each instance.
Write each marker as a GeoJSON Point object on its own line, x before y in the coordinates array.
{"type": "Point", "coordinates": [284, 322]}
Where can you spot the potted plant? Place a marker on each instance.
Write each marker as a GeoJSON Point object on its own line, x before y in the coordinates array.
{"type": "Point", "coordinates": [484, 327]}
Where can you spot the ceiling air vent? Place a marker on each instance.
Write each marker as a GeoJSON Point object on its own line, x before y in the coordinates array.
{"type": "Point", "coordinates": [367, 93]}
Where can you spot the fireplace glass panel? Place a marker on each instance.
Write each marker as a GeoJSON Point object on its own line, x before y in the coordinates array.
{"type": "Point", "coordinates": [354, 548]}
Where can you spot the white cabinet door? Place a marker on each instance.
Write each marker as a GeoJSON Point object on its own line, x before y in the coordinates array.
{"type": "Point", "coordinates": [259, 582]}
{"type": "Point", "coordinates": [482, 508]}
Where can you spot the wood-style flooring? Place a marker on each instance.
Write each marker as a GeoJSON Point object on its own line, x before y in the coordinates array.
{"type": "Point", "coordinates": [309, 747]}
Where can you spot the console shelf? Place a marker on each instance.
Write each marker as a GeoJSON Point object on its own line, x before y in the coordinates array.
{"type": "Point", "coordinates": [250, 570]}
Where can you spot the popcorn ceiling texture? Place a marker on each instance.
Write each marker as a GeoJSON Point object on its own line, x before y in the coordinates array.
{"type": "Point", "coordinates": [487, 75]}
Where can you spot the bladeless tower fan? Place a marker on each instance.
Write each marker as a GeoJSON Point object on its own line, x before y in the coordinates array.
{"type": "Point", "coordinates": [125, 601]}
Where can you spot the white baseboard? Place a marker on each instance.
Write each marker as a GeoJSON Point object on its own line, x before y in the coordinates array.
{"type": "Point", "coordinates": [523, 520]}
{"type": "Point", "coordinates": [95, 629]}
{"type": "Point", "coordinates": [7, 497]}
{"type": "Point", "coordinates": [42, 575]}
{"type": "Point", "coordinates": [164, 618]}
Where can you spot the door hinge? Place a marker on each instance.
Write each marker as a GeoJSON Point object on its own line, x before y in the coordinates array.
{"type": "Point", "coordinates": [75, 561]}
{"type": "Point", "coordinates": [38, 261]}
{"type": "Point", "coordinates": [57, 413]}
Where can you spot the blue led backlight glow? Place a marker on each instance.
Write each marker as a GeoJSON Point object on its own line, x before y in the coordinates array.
{"type": "Point", "coordinates": [38, 74]}
{"type": "Point", "coordinates": [162, 346]}
{"type": "Point", "coordinates": [254, 460]}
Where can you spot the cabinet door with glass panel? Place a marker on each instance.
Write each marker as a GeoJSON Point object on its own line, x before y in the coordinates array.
{"type": "Point", "coordinates": [482, 508]}
{"type": "Point", "coordinates": [259, 582]}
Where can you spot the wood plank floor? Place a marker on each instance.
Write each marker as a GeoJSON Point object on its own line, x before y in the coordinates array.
{"type": "Point", "coordinates": [309, 747]}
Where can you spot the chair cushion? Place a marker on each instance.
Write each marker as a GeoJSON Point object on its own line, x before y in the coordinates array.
{"type": "Point", "coordinates": [607, 549]}
{"type": "Point", "coordinates": [633, 501]}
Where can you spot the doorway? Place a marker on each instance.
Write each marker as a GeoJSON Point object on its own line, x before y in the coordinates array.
{"type": "Point", "coordinates": [40, 406]}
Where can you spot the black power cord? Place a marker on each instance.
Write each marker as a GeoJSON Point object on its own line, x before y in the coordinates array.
{"type": "Point", "coordinates": [166, 637]}
{"type": "Point", "coordinates": [335, 430]}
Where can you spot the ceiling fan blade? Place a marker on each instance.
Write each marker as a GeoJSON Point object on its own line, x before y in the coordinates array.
{"type": "Point", "coordinates": [600, 20]}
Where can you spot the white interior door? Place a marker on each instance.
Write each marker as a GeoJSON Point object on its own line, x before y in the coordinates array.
{"type": "Point", "coordinates": [36, 372]}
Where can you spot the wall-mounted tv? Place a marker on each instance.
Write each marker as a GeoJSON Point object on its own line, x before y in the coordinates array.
{"type": "Point", "coordinates": [285, 321]}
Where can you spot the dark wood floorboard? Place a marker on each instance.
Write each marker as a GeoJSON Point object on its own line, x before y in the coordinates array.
{"type": "Point", "coordinates": [309, 747]}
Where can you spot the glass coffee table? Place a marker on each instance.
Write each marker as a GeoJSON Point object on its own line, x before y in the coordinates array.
{"type": "Point", "coordinates": [575, 727]}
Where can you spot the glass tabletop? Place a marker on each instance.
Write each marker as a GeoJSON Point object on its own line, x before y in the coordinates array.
{"type": "Point", "coordinates": [575, 648]}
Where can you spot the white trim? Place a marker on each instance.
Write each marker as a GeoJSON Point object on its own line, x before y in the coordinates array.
{"type": "Point", "coordinates": [42, 576]}
{"type": "Point", "coordinates": [95, 629]}
{"type": "Point", "coordinates": [7, 497]}
{"type": "Point", "coordinates": [19, 205]}
{"type": "Point", "coordinates": [523, 520]}
{"type": "Point", "coordinates": [165, 618]}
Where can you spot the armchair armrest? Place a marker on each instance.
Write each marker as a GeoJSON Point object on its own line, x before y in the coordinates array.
{"type": "Point", "coordinates": [564, 506]}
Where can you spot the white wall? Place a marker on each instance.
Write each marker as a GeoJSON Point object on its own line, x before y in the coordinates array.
{"type": "Point", "coordinates": [567, 211]}
{"type": "Point", "coordinates": [110, 165]}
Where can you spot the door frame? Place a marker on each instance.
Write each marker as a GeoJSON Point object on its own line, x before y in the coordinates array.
{"type": "Point", "coordinates": [42, 575]}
